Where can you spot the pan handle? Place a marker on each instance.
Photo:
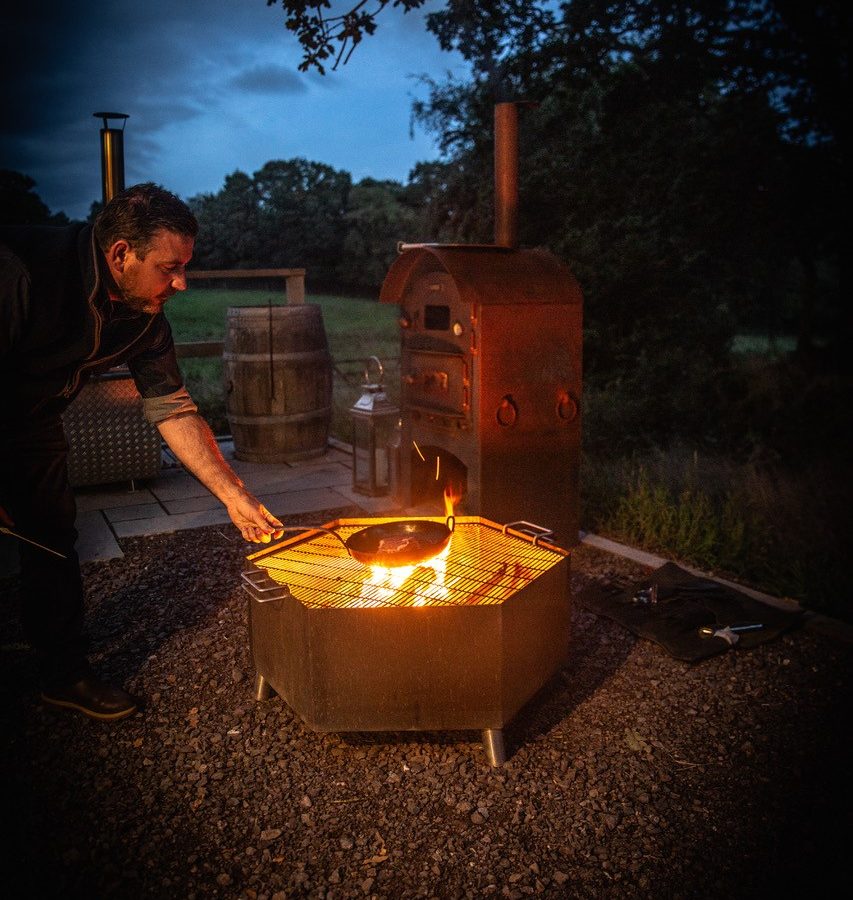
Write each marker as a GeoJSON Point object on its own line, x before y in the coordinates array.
{"type": "Point", "coordinates": [315, 528]}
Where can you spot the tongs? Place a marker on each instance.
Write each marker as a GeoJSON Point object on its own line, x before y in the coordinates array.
{"type": "Point", "coordinates": [20, 537]}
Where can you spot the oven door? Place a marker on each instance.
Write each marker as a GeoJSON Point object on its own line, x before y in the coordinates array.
{"type": "Point", "coordinates": [435, 382]}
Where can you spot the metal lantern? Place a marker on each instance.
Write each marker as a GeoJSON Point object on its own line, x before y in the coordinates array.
{"type": "Point", "coordinates": [374, 424]}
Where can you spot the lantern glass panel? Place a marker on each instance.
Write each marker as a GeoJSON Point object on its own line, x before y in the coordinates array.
{"type": "Point", "coordinates": [371, 444]}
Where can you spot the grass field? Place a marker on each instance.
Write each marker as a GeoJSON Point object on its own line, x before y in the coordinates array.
{"type": "Point", "coordinates": [763, 345]}
{"type": "Point", "coordinates": [356, 329]}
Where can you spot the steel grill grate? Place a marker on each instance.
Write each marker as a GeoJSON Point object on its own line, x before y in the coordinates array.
{"type": "Point", "coordinates": [482, 566]}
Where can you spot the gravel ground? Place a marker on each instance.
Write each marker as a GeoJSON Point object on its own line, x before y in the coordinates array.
{"type": "Point", "coordinates": [631, 775]}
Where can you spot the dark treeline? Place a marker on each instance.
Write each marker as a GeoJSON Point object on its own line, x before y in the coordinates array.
{"type": "Point", "coordinates": [298, 213]}
{"type": "Point", "coordinates": [688, 160]}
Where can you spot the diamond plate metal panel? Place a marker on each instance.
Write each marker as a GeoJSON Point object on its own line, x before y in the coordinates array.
{"type": "Point", "coordinates": [108, 435]}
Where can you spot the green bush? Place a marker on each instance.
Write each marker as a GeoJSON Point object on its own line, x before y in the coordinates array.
{"type": "Point", "coordinates": [780, 531]}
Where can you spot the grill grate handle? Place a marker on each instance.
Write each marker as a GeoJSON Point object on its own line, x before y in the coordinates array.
{"type": "Point", "coordinates": [258, 583]}
{"type": "Point", "coordinates": [537, 532]}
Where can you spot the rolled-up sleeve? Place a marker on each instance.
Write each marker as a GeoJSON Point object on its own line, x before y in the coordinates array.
{"type": "Point", "coordinates": [159, 380]}
{"type": "Point", "coordinates": [158, 409]}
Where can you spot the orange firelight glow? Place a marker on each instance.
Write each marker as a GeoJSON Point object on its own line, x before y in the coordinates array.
{"type": "Point", "coordinates": [384, 581]}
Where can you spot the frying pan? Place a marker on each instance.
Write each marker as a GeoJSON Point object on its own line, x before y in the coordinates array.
{"type": "Point", "coordinates": [404, 542]}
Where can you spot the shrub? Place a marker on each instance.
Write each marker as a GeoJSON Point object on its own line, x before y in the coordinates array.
{"type": "Point", "coordinates": [780, 531]}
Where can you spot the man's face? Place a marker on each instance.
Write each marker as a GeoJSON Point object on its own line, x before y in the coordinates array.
{"type": "Point", "coordinates": [146, 284]}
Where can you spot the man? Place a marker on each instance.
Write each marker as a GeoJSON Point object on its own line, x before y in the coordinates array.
{"type": "Point", "coordinates": [77, 301]}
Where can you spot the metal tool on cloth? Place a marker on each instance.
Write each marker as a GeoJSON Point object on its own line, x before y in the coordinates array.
{"type": "Point", "coordinates": [729, 633]}
{"type": "Point", "coordinates": [646, 596]}
{"type": "Point", "coordinates": [20, 537]}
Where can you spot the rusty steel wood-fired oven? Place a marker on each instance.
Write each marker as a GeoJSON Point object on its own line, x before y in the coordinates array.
{"type": "Point", "coordinates": [490, 405]}
{"type": "Point", "coordinates": [491, 368]}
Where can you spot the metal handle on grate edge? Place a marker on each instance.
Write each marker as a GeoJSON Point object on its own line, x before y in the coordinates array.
{"type": "Point", "coordinates": [537, 532]}
{"type": "Point", "coordinates": [255, 578]}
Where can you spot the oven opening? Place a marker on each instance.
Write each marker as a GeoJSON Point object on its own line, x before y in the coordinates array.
{"type": "Point", "coordinates": [433, 471]}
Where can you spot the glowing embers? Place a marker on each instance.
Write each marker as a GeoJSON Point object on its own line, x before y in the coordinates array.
{"type": "Point", "coordinates": [481, 566]}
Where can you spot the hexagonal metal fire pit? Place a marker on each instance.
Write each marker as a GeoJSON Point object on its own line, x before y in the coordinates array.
{"type": "Point", "coordinates": [459, 643]}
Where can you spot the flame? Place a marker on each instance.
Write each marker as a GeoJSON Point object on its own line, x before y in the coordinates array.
{"type": "Point", "coordinates": [384, 582]}
{"type": "Point", "coordinates": [452, 495]}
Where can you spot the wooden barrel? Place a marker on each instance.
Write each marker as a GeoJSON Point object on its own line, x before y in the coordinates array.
{"type": "Point", "coordinates": [278, 382]}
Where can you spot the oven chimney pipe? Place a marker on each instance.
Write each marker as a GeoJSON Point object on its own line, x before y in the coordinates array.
{"type": "Point", "coordinates": [112, 155]}
{"type": "Point", "coordinates": [506, 175]}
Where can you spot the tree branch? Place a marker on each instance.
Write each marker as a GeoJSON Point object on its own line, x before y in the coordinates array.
{"type": "Point", "coordinates": [318, 34]}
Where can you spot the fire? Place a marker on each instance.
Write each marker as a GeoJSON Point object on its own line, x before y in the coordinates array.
{"type": "Point", "coordinates": [385, 581]}
{"type": "Point", "coordinates": [452, 496]}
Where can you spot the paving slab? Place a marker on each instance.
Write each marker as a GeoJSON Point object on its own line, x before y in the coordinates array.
{"type": "Point", "coordinates": [91, 498]}
{"type": "Point", "coordinates": [140, 511]}
{"type": "Point", "coordinates": [168, 524]}
{"type": "Point", "coordinates": [374, 506]}
{"type": "Point", "coordinates": [191, 504]}
{"type": "Point", "coordinates": [177, 485]}
{"type": "Point", "coordinates": [96, 541]}
{"type": "Point", "coordinates": [175, 500]}
{"type": "Point", "coordinates": [288, 478]}
{"type": "Point", "coordinates": [289, 503]}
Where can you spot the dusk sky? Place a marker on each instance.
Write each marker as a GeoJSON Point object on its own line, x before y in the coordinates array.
{"type": "Point", "coordinates": [211, 86]}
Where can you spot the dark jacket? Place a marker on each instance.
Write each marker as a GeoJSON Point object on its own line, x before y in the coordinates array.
{"type": "Point", "coordinates": [58, 326]}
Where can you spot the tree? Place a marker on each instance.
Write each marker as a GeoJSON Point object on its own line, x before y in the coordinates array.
{"type": "Point", "coordinates": [319, 34]}
{"type": "Point", "coordinates": [20, 205]}
{"type": "Point", "coordinates": [229, 233]}
{"type": "Point", "coordinates": [288, 214]}
{"type": "Point", "coordinates": [302, 208]}
{"type": "Point", "coordinates": [664, 162]}
{"type": "Point", "coordinates": [379, 215]}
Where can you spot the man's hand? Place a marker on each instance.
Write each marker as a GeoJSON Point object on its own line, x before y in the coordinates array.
{"type": "Point", "coordinates": [255, 522]}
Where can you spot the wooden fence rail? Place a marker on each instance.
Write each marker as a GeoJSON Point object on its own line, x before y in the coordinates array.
{"type": "Point", "coordinates": [294, 279]}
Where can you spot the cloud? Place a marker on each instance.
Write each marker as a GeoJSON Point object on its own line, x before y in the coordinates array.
{"type": "Point", "coordinates": [209, 85]}
{"type": "Point", "coordinates": [268, 79]}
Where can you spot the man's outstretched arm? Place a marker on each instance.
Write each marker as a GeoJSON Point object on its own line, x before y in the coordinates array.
{"type": "Point", "coordinates": [191, 440]}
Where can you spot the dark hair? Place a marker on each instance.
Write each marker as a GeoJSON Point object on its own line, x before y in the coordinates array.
{"type": "Point", "coordinates": [138, 213]}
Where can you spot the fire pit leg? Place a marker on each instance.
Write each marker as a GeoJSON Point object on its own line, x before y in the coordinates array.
{"type": "Point", "coordinates": [493, 744]}
{"type": "Point", "coordinates": [263, 691]}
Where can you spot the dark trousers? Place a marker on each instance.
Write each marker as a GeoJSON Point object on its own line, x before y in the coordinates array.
{"type": "Point", "coordinates": [34, 490]}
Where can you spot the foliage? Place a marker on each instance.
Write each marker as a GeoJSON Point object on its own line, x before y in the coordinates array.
{"type": "Point", "coordinates": [289, 214]}
{"type": "Point", "coordinates": [301, 214]}
{"type": "Point", "coordinates": [780, 531]}
{"type": "Point", "coordinates": [318, 33]}
{"type": "Point", "coordinates": [685, 159]}
{"type": "Point", "coordinates": [378, 216]}
{"type": "Point", "coordinates": [20, 205]}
